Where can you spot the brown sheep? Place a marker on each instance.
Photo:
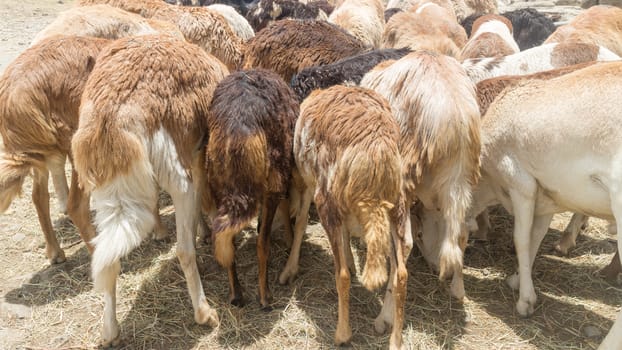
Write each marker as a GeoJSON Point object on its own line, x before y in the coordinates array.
{"type": "Point", "coordinates": [287, 46]}
{"type": "Point", "coordinates": [346, 151]}
{"type": "Point", "coordinates": [39, 100]}
{"type": "Point", "coordinates": [426, 27]}
{"type": "Point", "coordinates": [598, 25]}
{"type": "Point", "coordinates": [199, 25]}
{"type": "Point", "coordinates": [492, 37]}
{"type": "Point", "coordinates": [104, 21]}
{"type": "Point", "coordinates": [249, 164]}
{"type": "Point", "coordinates": [435, 105]}
{"type": "Point", "coordinates": [143, 123]}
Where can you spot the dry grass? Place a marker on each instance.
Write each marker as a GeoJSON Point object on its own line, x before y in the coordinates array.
{"type": "Point", "coordinates": [59, 310]}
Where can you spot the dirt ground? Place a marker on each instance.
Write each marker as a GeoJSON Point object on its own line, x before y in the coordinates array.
{"type": "Point", "coordinates": [54, 307]}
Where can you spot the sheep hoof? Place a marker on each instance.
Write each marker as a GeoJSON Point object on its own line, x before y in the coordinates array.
{"type": "Point", "coordinates": [525, 308]}
{"type": "Point", "coordinates": [380, 326]}
{"type": "Point", "coordinates": [207, 316]}
{"type": "Point", "coordinates": [110, 336]}
{"type": "Point", "coordinates": [562, 250]}
{"type": "Point", "coordinates": [265, 304]}
{"type": "Point", "coordinates": [236, 299]}
{"type": "Point", "coordinates": [57, 257]}
{"type": "Point", "coordinates": [343, 337]}
{"type": "Point", "coordinates": [287, 276]}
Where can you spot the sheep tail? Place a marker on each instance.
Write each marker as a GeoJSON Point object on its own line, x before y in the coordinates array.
{"type": "Point", "coordinates": [13, 172]}
{"type": "Point", "coordinates": [376, 225]}
{"type": "Point", "coordinates": [241, 182]}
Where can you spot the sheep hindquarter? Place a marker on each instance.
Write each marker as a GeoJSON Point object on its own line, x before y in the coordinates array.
{"type": "Point", "coordinates": [249, 163]}
{"type": "Point", "coordinates": [435, 105]}
{"type": "Point", "coordinates": [546, 151]}
{"type": "Point", "coordinates": [346, 152]}
{"type": "Point", "coordinates": [288, 46]}
{"type": "Point", "coordinates": [143, 121]}
{"type": "Point", "coordinates": [39, 100]}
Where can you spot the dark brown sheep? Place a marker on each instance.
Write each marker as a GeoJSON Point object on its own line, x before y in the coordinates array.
{"type": "Point", "coordinates": [287, 46]}
{"type": "Point", "coordinates": [249, 164]}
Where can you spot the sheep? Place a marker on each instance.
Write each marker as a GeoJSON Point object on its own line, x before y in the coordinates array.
{"type": "Point", "coordinates": [407, 5]}
{"type": "Point", "coordinates": [435, 105]}
{"type": "Point", "coordinates": [39, 99]}
{"type": "Point", "coordinates": [489, 89]}
{"type": "Point", "coordinates": [266, 12]}
{"type": "Point", "coordinates": [199, 25]}
{"type": "Point", "coordinates": [288, 46]}
{"type": "Point", "coordinates": [347, 157]}
{"type": "Point", "coordinates": [492, 37]}
{"type": "Point", "coordinates": [364, 19]}
{"type": "Point", "coordinates": [537, 59]}
{"type": "Point", "coordinates": [531, 27]}
{"type": "Point", "coordinates": [349, 70]}
{"type": "Point", "coordinates": [104, 21]}
{"type": "Point", "coordinates": [143, 121]}
{"type": "Point", "coordinates": [240, 6]}
{"type": "Point", "coordinates": [427, 27]}
{"type": "Point", "coordinates": [237, 22]}
{"type": "Point", "coordinates": [249, 163]}
{"type": "Point", "coordinates": [542, 170]}
{"type": "Point", "coordinates": [598, 25]}
{"type": "Point", "coordinates": [460, 9]}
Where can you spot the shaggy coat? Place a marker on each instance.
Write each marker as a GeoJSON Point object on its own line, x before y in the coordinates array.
{"type": "Point", "coordinates": [390, 12]}
{"type": "Point", "coordinates": [364, 19]}
{"type": "Point", "coordinates": [143, 123]}
{"type": "Point", "coordinates": [559, 161]}
{"type": "Point", "coordinates": [531, 27]}
{"type": "Point", "coordinates": [199, 25]}
{"type": "Point", "coordinates": [288, 46]}
{"type": "Point", "coordinates": [492, 37]}
{"type": "Point", "coordinates": [537, 59]}
{"type": "Point", "coordinates": [460, 9]}
{"type": "Point", "coordinates": [265, 12]}
{"type": "Point", "coordinates": [435, 105]}
{"type": "Point", "coordinates": [104, 21]}
{"type": "Point", "coordinates": [237, 22]}
{"type": "Point", "coordinates": [249, 163]}
{"type": "Point", "coordinates": [39, 100]}
{"type": "Point", "coordinates": [346, 71]}
{"type": "Point", "coordinates": [427, 27]}
{"type": "Point", "coordinates": [346, 150]}
{"type": "Point", "coordinates": [598, 25]}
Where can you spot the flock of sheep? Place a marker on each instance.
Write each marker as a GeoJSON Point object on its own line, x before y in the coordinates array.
{"type": "Point", "coordinates": [401, 122]}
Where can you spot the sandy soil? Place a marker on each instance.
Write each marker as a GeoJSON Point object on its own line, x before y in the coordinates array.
{"type": "Point", "coordinates": [54, 307]}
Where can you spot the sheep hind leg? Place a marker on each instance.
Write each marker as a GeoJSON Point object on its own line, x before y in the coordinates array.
{"type": "Point", "coordinates": [270, 205]}
{"type": "Point", "coordinates": [614, 336]}
{"type": "Point", "coordinates": [159, 231]}
{"type": "Point", "coordinates": [186, 209]}
{"type": "Point", "coordinates": [568, 240]}
{"type": "Point", "coordinates": [392, 312]}
{"type": "Point", "coordinates": [41, 200]}
{"type": "Point", "coordinates": [291, 267]}
{"type": "Point", "coordinates": [57, 170]}
{"type": "Point", "coordinates": [343, 334]}
{"type": "Point", "coordinates": [78, 210]}
{"type": "Point", "coordinates": [107, 282]}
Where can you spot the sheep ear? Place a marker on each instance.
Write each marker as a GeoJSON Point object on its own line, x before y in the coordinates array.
{"type": "Point", "coordinates": [90, 63]}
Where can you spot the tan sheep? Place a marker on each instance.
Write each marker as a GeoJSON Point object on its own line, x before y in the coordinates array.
{"type": "Point", "coordinates": [39, 99]}
{"type": "Point", "coordinates": [143, 123]}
